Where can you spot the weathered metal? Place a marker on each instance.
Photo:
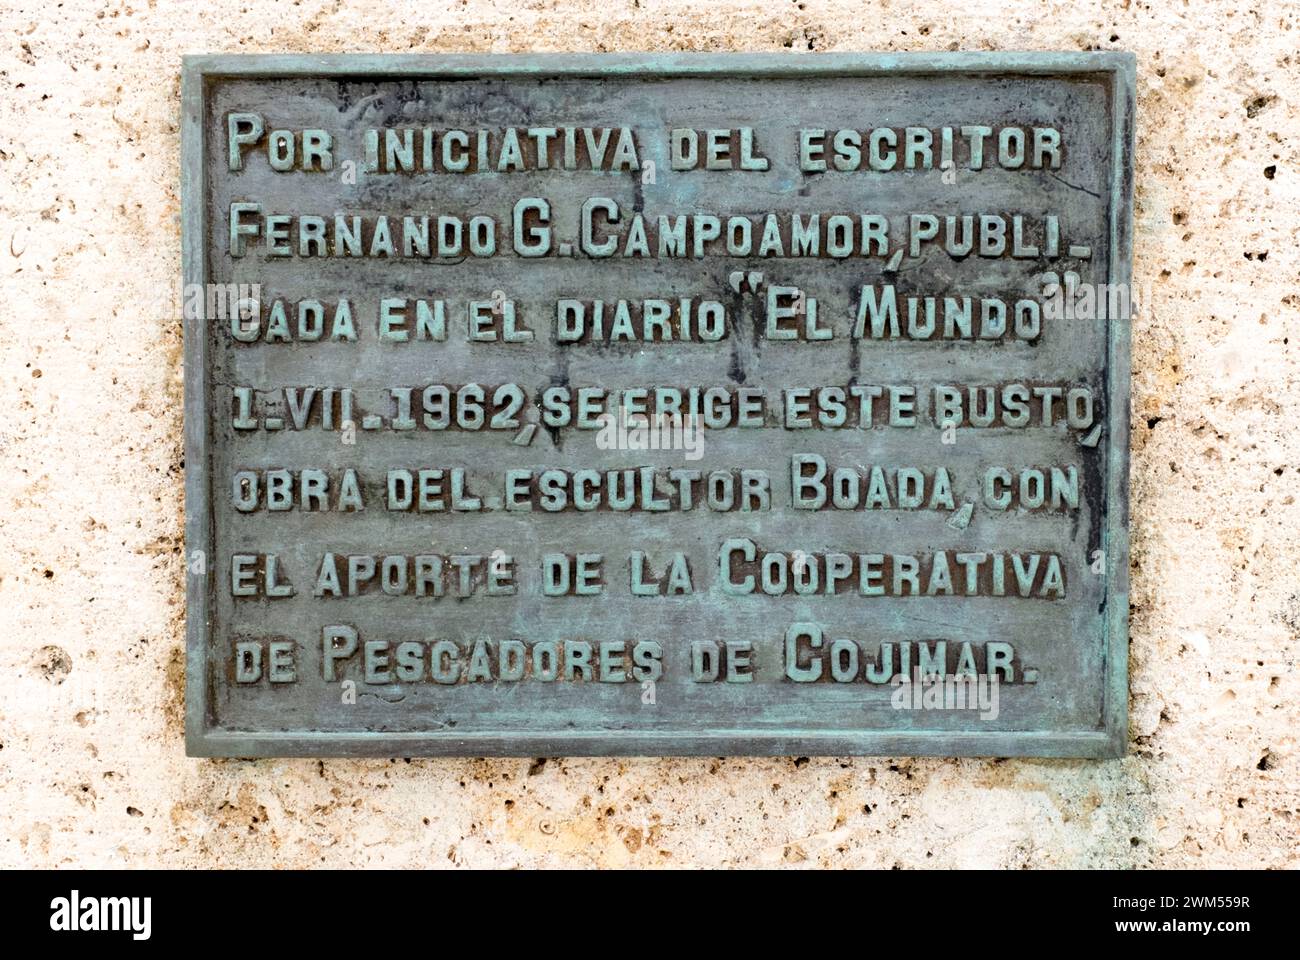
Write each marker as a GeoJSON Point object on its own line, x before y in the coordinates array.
{"type": "Point", "coordinates": [379, 491]}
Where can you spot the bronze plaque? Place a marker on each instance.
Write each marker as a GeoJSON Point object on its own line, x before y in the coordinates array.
{"type": "Point", "coordinates": [672, 404]}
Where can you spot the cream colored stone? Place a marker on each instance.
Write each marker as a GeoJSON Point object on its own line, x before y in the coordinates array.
{"type": "Point", "coordinates": [91, 537]}
{"type": "Point", "coordinates": [1144, 714]}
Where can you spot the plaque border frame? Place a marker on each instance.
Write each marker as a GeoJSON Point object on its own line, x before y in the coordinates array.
{"type": "Point", "coordinates": [1110, 737]}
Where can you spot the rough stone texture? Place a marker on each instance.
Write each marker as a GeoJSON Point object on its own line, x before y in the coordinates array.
{"type": "Point", "coordinates": [91, 603]}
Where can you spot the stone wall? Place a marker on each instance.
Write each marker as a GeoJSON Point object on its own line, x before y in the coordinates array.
{"type": "Point", "coordinates": [92, 765]}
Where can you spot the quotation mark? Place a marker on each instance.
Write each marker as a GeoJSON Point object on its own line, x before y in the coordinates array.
{"type": "Point", "coordinates": [753, 280]}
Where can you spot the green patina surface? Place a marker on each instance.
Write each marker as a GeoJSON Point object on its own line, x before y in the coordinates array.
{"type": "Point", "coordinates": [1078, 707]}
